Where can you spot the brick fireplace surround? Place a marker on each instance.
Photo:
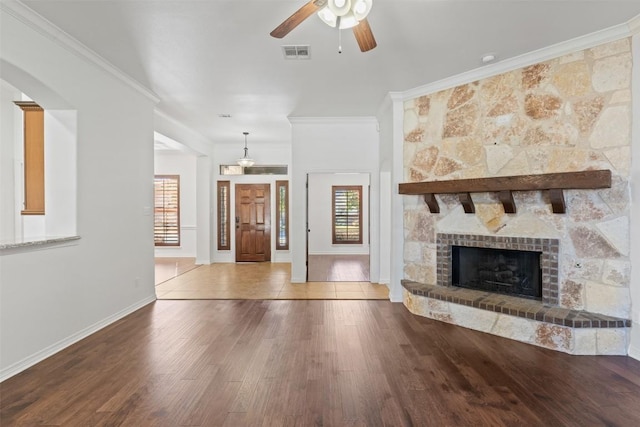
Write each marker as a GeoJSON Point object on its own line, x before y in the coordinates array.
{"type": "Point", "coordinates": [548, 259]}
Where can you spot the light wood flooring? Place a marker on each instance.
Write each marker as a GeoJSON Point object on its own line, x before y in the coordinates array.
{"type": "Point", "coordinates": [260, 281]}
{"type": "Point", "coordinates": [314, 363]}
{"type": "Point", "coordinates": [338, 268]}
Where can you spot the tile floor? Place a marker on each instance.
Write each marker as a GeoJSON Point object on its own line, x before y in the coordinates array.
{"type": "Point", "coordinates": [338, 268]}
{"type": "Point", "coordinates": [169, 267]}
{"type": "Point", "coordinates": [260, 281]}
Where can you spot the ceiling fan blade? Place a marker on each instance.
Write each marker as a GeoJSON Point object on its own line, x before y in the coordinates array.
{"type": "Point", "coordinates": [298, 16]}
{"type": "Point", "coordinates": [364, 36]}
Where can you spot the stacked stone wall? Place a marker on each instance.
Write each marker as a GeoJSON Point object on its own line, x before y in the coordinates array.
{"type": "Point", "coordinates": [572, 113]}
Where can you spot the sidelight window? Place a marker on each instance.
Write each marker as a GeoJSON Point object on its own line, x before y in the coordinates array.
{"type": "Point", "coordinates": [224, 227]}
{"type": "Point", "coordinates": [282, 215]}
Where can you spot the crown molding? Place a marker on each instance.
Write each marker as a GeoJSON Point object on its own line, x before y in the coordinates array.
{"type": "Point", "coordinates": [634, 25]}
{"type": "Point", "coordinates": [332, 120]}
{"type": "Point", "coordinates": [547, 53]}
{"type": "Point", "coordinates": [37, 22]}
{"type": "Point", "coordinates": [389, 99]}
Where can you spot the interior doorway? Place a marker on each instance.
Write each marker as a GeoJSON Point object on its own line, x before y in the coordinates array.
{"type": "Point", "coordinates": [338, 227]}
{"type": "Point", "coordinates": [253, 223]}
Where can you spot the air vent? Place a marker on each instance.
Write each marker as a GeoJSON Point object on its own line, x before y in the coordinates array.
{"type": "Point", "coordinates": [296, 51]}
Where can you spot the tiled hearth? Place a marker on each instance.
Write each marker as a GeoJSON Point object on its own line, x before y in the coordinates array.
{"type": "Point", "coordinates": [514, 306]}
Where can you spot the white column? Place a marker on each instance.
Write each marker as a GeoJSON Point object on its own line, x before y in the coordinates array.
{"type": "Point", "coordinates": [204, 211]}
{"type": "Point", "coordinates": [634, 348]}
{"type": "Point", "coordinates": [397, 214]}
{"type": "Point", "coordinates": [8, 138]}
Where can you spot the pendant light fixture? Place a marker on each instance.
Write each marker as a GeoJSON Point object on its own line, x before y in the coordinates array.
{"type": "Point", "coordinates": [245, 161]}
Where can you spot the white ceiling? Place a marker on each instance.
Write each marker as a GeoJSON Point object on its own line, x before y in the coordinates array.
{"type": "Point", "coordinates": [209, 57]}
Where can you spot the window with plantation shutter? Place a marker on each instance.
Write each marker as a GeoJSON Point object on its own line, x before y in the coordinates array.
{"type": "Point", "coordinates": [347, 214]}
{"type": "Point", "coordinates": [166, 224]}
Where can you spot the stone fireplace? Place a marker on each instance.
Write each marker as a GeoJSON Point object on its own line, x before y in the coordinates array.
{"type": "Point", "coordinates": [569, 114]}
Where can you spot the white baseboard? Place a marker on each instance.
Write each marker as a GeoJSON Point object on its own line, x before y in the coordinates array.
{"type": "Point", "coordinates": [49, 351]}
{"type": "Point", "coordinates": [339, 253]}
{"type": "Point", "coordinates": [396, 296]}
{"type": "Point", "coordinates": [298, 279]}
{"type": "Point", "coordinates": [634, 337]}
{"type": "Point", "coordinates": [634, 352]}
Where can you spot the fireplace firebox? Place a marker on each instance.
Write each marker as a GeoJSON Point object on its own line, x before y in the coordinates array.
{"type": "Point", "coordinates": [545, 250]}
{"type": "Point", "coordinates": [511, 272]}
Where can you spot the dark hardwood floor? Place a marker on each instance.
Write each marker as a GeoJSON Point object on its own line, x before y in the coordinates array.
{"type": "Point", "coordinates": [313, 363]}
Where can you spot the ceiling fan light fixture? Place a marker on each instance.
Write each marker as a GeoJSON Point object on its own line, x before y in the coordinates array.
{"type": "Point", "coordinates": [328, 17]}
{"type": "Point", "coordinates": [245, 161]}
{"type": "Point", "coordinates": [348, 21]}
{"type": "Point", "coordinates": [339, 7]}
{"type": "Point", "coordinates": [361, 8]}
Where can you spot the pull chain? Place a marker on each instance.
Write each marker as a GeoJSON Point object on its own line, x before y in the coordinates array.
{"type": "Point", "coordinates": [339, 34]}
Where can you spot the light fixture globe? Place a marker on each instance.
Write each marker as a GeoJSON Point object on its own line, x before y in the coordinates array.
{"type": "Point", "coordinates": [339, 7]}
{"type": "Point", "coordinates": [328, 17]}
{"type": "Point", "coordinates": [348, 21]}
{"type": "Point", "coordinates": [245, 161]}
{"type": "Point", "coordinates": [361, 8]}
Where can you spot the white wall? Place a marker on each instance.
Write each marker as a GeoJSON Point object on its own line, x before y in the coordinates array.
{"type": "Point", "coordinates": [320, 218]}
{"type": "Point", "coordinates": [634, 349]}
{"type": "Point", "coordinates": [54, 296]}
{"type": "Point", "coordinates": [329, 145]}
{"type": "Point", "coordinates": [264, 153]}
{"type": "Point", "coordinates": [185, 165]}
{"type": "Point", "coordinates": [60, 169]}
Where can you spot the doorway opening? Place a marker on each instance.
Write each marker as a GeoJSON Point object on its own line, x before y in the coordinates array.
{"type": "Point", "coordinates": [338, 227]}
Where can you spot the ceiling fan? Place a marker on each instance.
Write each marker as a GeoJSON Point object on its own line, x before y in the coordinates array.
{"type": "Point", "coordinates": [339, 14]}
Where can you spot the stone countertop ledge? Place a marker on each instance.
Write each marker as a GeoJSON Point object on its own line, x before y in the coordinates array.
{"type": "Point", "coordinates": [36, 241]}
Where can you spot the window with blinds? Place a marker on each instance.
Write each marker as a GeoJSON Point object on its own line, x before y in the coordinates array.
{"type": "Point", "coordinates": [166, 224]}
{"type": "Point", "coordinates": [346, 214]}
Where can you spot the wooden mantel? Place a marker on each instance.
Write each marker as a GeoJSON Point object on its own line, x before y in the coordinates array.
{"type": "Point", "coordinates": [555, 183]}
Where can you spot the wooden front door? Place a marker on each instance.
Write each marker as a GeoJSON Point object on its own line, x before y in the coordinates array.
{"type": "Point", "coordinates": [253, 222]}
